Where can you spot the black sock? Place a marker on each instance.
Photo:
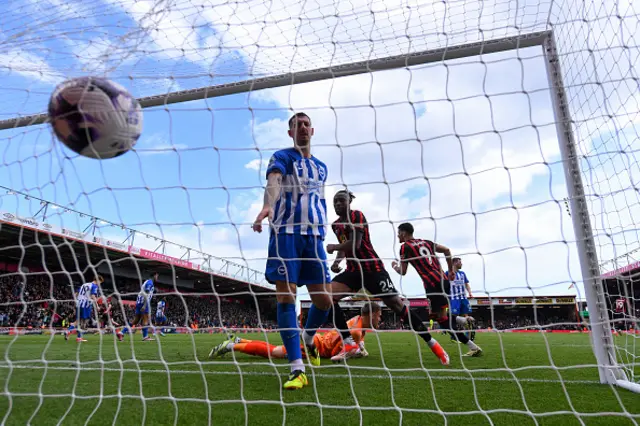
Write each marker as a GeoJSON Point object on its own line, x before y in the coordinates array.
{"type": "Point", "coordinates": [444, 324]}
{"type": "Point", "coordinates": [416, 323]}
{"type": "Point", "coordinates": [340, 321]}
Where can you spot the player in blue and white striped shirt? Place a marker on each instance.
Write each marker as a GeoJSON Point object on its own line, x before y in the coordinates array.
{"type": "Point", "coordinates": [295, 205]}
{"type": "Point", "coordinates": [161, 318]}
{"type": "Point", "coordinates": [87, 297]}
{"type": "Point", "coordinates": [460, 307]}
{"type": "Point", "coordinates": [143, 305]}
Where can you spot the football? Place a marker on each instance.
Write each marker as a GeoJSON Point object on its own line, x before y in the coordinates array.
{"type": "Point", "coordinates": [95, 117]}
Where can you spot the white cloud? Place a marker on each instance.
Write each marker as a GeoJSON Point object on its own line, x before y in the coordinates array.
{"type": "Point", "coordinates": [257, 165]}
{"type": "Point", "coordinates": [30, 65]}
{"type": "Point", "coordinates": [158, 144]}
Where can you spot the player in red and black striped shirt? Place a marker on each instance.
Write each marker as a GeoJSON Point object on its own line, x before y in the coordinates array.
{"type": "Point", "coordinates": [364, 257]}
{"type": "Point", "coordinates": [422, 255]}
{"type": "Point", "coordinates": [364, 269]}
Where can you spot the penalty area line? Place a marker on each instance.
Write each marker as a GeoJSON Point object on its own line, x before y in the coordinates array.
{"type": "Point", "coordinates": [320, 375]}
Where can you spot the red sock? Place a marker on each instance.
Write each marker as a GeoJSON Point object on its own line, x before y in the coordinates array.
{"type": "Point", "coordinates": [256, 348]}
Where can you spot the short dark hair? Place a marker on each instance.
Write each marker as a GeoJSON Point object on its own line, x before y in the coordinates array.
{"type": "Point", "coordinates": [406, 227]}
{"type": "Point", "coordinates": [349, 194]}
{"type": "Point", "coordinates": [369, 308]}
{"type": "Point", "coordinates": [297, 115]}
{"type": "Point", "coordinates": [456, 258]}
{"type": "Point", "coordinates": [153, 273]}
{"type": "Point", "coordinates": [99, 278]}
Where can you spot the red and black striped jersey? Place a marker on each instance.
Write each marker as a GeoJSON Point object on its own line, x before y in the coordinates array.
{"type": "Point", "coordinates": [367, 260]}
{"type": "Point", "coordinates": [422, 255]}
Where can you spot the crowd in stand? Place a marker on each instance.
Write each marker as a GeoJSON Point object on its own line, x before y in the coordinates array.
{"type": "Point", "coordinates": [42, 300]}
{"type": "Point", "coordinates": [37, 301]}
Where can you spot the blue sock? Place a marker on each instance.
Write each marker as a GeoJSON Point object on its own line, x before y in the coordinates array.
{"type": "Point", "coordinates": [145, 332]}
{"type": "Point", "coordinates": [315, 319]}
{"type": "Point", "coordinates": [291, 337]}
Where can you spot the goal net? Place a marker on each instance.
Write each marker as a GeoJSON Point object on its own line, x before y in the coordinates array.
{"type": "Point", "coordinates": [504, 131]}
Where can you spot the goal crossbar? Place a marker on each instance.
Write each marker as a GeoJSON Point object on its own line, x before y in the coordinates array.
{"type": "Point", "coordinates": [319, 74]}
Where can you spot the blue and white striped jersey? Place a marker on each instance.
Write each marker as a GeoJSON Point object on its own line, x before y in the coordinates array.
{"type": "Point", "coordinates": [160, 308]}
{"type": "Point", "coordinates": [146, 292]}
{"type": "Point", "coordinates": [458, 287]}
{"type": "Point", "coordinates": [301, 207]}
{"type": "Point", "coordinates": [84, 294]}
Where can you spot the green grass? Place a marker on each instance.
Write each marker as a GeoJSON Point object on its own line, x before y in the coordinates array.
{"type": "Point", "coordinates": [522, 379]}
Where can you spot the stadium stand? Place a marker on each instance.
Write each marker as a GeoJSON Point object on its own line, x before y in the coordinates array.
{"type": "Point", "coordinates": [551, 313]}
{"type": "Point", "coordinates": [41, 268]}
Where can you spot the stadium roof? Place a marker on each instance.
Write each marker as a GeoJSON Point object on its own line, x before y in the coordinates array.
{"type": "Point", "coordinates": [30, 242]}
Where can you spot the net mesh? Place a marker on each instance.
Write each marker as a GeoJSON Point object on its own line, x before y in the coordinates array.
{"type": "Point", "coordinates": [466, 150]}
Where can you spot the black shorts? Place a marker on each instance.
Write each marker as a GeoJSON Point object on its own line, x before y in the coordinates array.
{"type": "Point", "coordinates": [437, 297]}
{"type": "Point", "coordinates": [377, 283]}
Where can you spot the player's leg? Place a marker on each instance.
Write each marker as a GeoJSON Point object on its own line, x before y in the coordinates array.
{"type": "Point", "coordinates": [283, 269]}
{"type": "Point", "coordinates": [250, 347]}
{"type": "Point", "coordinates": [71, 328]}
{"type": "Point", "coordinates": [161, 321]}
{"type": "Point", "coordinates": [314, 274]}
{"type": "Point", "coordinates": [454, 314]}
{"type": "Point", "coordinates": [379, 284]}
{"type": "Point", "coordinates": [145, 325]}
{"type": "Point", "coordinates": [469, 320]}
{"type": "Point", "coordinates": [136, 320]}
{"type": "Point", "coordinates": [261, 349]}
{"type": "Point", "coordinates": [343, 285]}
{"type": "Point", "coordinates": [81, 323]}
{"type": "Point", "coordinates": [439, 302]}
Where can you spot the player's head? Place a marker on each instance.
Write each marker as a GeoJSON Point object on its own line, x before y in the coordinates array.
{"type": "Point", "coordinates": [99, 279]}
{"type": "Point", "coordinates": [154, 275]}
{"type": "Point", "coordinates": [300, 129]}
{"type": "Point", "coordinates": [457, 262]}
{"type": "Point", "coordinates": [342, 201]}
{"type": "Point", "coordinates": [371, 313]}
{"type": "Point", "coordinates": [405, 232]}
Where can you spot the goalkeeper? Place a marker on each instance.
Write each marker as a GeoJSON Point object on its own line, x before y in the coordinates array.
{"type": "Point", "coordinates": [328, 344]}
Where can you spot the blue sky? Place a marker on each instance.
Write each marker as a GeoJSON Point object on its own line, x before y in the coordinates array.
{"type": "Point", "coordinates": [453, 146]}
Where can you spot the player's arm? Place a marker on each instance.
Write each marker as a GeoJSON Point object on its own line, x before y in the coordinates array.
{"type": "Point", "coordinates": [275, 171]}
{"type": "Point", "coordinates": [467, 285]}
{"type": "Point", "coordinates": [349, 246]}
{"type": "Point", "coordinates": [403, 266]}
{"type": "Point", "coordinates": [335, 267]}
{"type": "Point", "coordinates": [447, 254]}
{"type": "Point", "coordinates": [355, 241]}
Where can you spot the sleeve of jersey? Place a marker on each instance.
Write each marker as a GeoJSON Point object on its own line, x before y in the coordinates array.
{"type": "Point", "coordinates": [466, 280]}
{"type": "Point", "coordinates": [278, 162]}
{"type": "Point", "coordinates": [94, 290]}
{"type": "Point", "coordinates": [403, 252]}
{"type": "Point", "coordinates": [358, 220]}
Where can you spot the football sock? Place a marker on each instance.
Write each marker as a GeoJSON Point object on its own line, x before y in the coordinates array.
{"type": "Point", "coordinates": [289, 332]}
{"type": "Point", "coordinates": [340, 322]}
{"type": "Point", "coordinates": [416, 324]}
{"type": "Point", "coordinates": [315, 319]}
{"type": "Point", "coordinates": [444, 324]}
